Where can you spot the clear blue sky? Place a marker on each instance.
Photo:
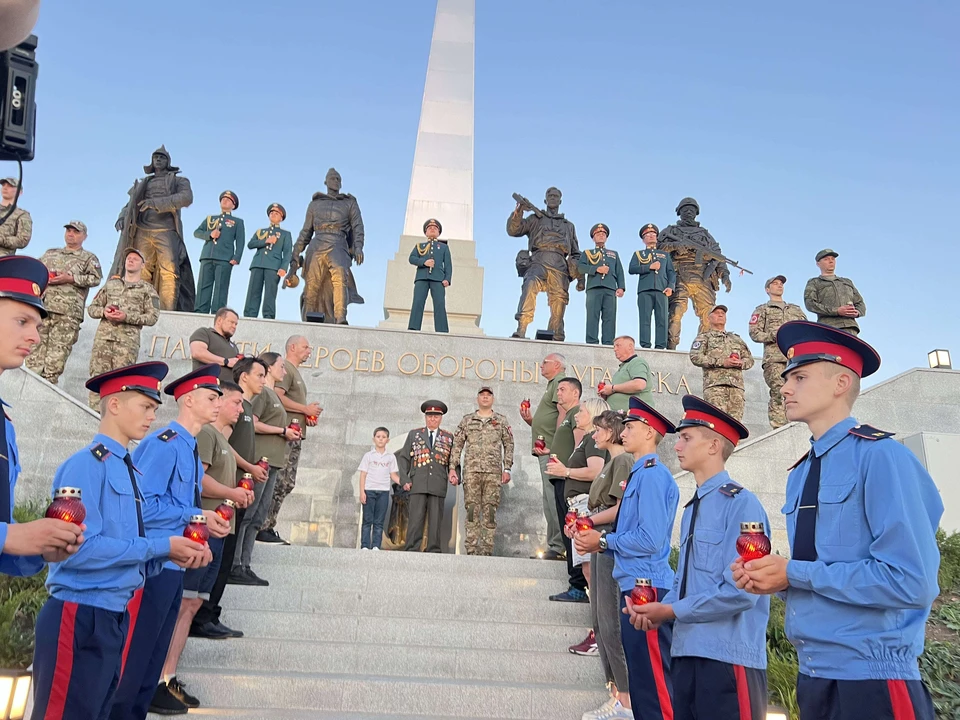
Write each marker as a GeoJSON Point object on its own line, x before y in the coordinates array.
{"type": "Point", "coordinates": [796, 126]}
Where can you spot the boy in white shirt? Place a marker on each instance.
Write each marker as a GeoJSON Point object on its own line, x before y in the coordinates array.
{"type": "Point", "coordinates": [378, 469]}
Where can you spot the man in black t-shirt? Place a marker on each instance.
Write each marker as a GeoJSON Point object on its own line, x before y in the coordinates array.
{"type": "Point", "coordinates": [214, 345]}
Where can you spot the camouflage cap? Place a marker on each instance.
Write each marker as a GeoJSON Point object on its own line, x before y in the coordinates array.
{"type": "Point", "coordinates": [132, 249]}
{"type": "Point", "coordinates": [649, 226]}
{"type": "Point", "coordinates": [77, 225]}
{"type": "Point", "coordinates": [827, 252]}
{"type": "Point", "coordinates": [781, 278]}
{"type": "Point", "coordinates": [600, 226]}
{"type": "Point", "coordinates": [485, 389]}
{"type": "Point", "coordinates": [688, 201]}
{"type": "Point", "coordinates": [719, 307]}
{"type": "Point", "coordinates": [13, 182]}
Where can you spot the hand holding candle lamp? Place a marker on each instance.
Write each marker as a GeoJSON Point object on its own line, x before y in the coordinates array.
{"type": "Point", "coordinates": [540, 445]}
{"type": "Point", "coordinates": [197, 529]}
{"type": "Point", "coordinates": [67, 505]}
{"type": "Point", "coordinates": [246, 482]}
{"type": "Point", "coordinates": [753, 543]}
{"type": "Point", "coordinates": [643, 592]}
{"type": "Point", "coordinates": [227, 509]}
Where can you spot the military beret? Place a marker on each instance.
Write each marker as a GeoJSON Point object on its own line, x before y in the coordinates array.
{"type": "Point", "coordinates": [781, 278]}
{"type": "Point", "coordinates": [433, 221]}
{"type": "Point", "coordinates": [700, 413]}
{"type": "Point", "coordinates": [233, 196]}
{"type": "Point", "coordinates": [827, 252]}
{"type": "Point", "coordinates": [23, 278]}
{"type": "Point", "coordinates": [688, 201]}
{"type": "Point", "coordinates": [277, 206]}
{"type": "Point", "coordinates": [649, 226]}
{"type": "Point", "coordinates": [600, 226]}
{"type": "Point", "coordinates": [433, 407]}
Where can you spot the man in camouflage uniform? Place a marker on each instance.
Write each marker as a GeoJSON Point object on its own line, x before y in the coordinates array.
{"type": "Point", "coordinates": [16, 230]}
{"type": "Point", "coordinates": [488, 439]}
{"type": "Point", "coordinates": [764, 323]}
{"type": "Point", "coordinates": [834, 299]}
{"type": "Point", "coordinates": [123, 306]}
{"type": "Point", "coordinates": [723, 356]}
{"type": "Point", "coordinates": [73, 271]}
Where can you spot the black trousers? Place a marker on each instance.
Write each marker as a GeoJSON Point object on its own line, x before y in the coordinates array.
{"type": "Point", "coordinates": [577, 580]}
{"type": "Point", "coordinates": [823, 699]}
{"type": "Point", "coordinates": [429, 509]}
{"type": "Point", "coordinates": [210, 610]}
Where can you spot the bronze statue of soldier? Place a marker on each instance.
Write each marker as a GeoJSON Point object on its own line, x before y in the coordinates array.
{"type": "Point", "coordinates": [334, 230]}
{"type": "Point", "coordinates": [549, 264]}
{"type": "Point", "coordinates": [150, 222]}
{"type": "Point", "coordinates": [699, 265]}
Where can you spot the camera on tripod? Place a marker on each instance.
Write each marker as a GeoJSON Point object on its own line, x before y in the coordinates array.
{"type": "Point", "coordinates": [18, 104]}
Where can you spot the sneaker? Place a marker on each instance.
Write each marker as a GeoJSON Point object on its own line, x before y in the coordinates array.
{"type": "Point", "coordinates": [166, 703]}
{"type": "Point", "coordinates": [588, 647]}
{"type": "Point", "coordinates": [237, 576]}
{"type": "Point", "coordinates": [254, 578]}
{"type": "Point", "coordinates": [600, 711]}
{"type": "Point", "coordinates": [375, 549]}
{"type": "Point", "coordinates": [572, 595]}
{"type": "Point", "coordinates": [618, 712]}
{"type": "Point", "coordinates": [271, 536]}
{"type": "Point", "coordinates": [179, 691]}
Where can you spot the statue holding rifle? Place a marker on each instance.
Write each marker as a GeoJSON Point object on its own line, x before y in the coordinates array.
{"type": "Point", "coordinates": [700, 265]}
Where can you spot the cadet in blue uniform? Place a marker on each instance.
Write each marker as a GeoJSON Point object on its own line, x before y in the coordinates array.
{"type": "Point", "coordinates": [24, 546]}
{"type": "Point", "coordinates": [656, 283]}
{"type": "Point", "coordinates": [274, 247]}
{"type": "Point", "coordinates": [640, 544]}
{"type": "Point", "coordinates": [172, 472]}
{"type": "Point", "coordinates": [223, 237]}
{"type": "Point", "coordinates": [719, 631]}
{"type": "Point", "coordinates": [81, 628]}
{"type": "Point", "coordinates": [434, 272]}
{"type": "Point", "coordinates": [862, 514]}
{"type": "Point", "coordinates": [605, 284]}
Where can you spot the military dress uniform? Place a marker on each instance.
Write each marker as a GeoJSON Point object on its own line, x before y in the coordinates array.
{"type": "Point", "coordinates": [274, 249]}
{"type": "Point", "coordinates": [17, 229]}
{"type": "Point", "coordinates": [601, 289]}
{"type": "Point", "coordinates": [650, 287]}
{"type": "Point", "coordinates": [117, 344]}
{"type": "Point", "coordinates": [489, 453]}
{"type": "Point", "coordinates": [719, 650]}
{"type": "Point", "coordinates": [862, 515]}
{"type": "Point", "coordinates": [213, 282]}
{"type": "Point", "coordinates": [22, 279]}
{"type": "Point", "coordinates": [424, 460]}
{"type": "Point", "coordinates": [172, 481]}
{"type": "Point", "coordinates": [825, 294]}
{"type": "Point", "coordinates": [65, 304]}
{"type": "Point", "coordinates": [764, 323]}
{"type": "Point", "coordinates": [430, 280]}
{"type": "Point", "coordinates": [722, 386]}
{"type": "Point", "coordinates": [82, 627]}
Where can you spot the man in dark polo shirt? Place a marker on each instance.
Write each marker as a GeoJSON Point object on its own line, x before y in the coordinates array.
{"type": "Point", "coordinates": [214, 345]}
{"type": "Point", "coordinates": [292, 392]}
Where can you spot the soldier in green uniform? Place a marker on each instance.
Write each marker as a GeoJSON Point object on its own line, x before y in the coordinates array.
{"type": "Point", "coordinates": [274, 248]}
{"type": "Point", "coordinates": [434, 272]}
{"type": "Point", "coordinates": [834, 299]}
{"type": "Point", "coordinates": [657, 282]}
{"type": "Point", "coordinates": [223, 238]}
{"type": "Point", "coordinates": [123, 306]}
{"type": "Point", "coordinates": [764, 323]}
{"type": "Point", "coordinates": [17, 229]}
{"type": "Point", "coordinates": [605, 284]}
{"type": "Point", "coordinates": [488, 440]}
{"type": "Point", "coordinates": [723, 356]}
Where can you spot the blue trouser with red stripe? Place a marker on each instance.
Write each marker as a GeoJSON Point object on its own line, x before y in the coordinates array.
{"type": "Point", "coordinates": [705, 689]}
{"type": "Point", "coordinates": [153, 614]}
{"type": "Point", "coordinates": [648, 667]}
{"type": "Point", "coordinates": [823, 699]}
{"type": "Point", "coordinates": [76, 661]}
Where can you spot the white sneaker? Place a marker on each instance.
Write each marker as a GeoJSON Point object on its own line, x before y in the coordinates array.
{"type": "Point", "coordinates": [617, 712]}
{"type": "Point", "coordinates": [606, 707]}
{"type": "Point", "coordinates": [375, 548]}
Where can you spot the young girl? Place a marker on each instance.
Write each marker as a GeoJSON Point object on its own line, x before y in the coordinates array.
{"type": "Point", "coordinates": [378, 469]}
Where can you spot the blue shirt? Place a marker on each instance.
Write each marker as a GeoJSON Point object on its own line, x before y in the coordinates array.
{"type": "Point", "coordinates": [858, 611]}
{"type": "Point", "coordinates": [641, 542]}
{"type": "Point", "coordinates": [110, 564]}
{"type": "Point", "coordinates": [18, 565]}
{"type": "Point", "coordinates": [715, 620]}
{"type": "Point", "coordinates": [172, 476]}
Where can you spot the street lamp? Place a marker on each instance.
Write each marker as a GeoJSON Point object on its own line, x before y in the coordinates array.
{"type": "Point", "coordinates": [14, 691]}
{"type": "Point", "coordinates": [939, 359]}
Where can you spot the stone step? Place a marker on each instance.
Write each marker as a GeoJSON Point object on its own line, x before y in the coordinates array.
{"type": "Point", "coordinates": [362, 659]}
{"type": "Point", "coordinates": [278, 714]}
{"type": "Point", "coordinates": [378, 696]}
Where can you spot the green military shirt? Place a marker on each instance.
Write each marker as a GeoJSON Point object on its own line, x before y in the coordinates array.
{"type": "Point", "coordinates": [443, 264]}
{"type": "Point", "coordinates": [563, 441]}
{"type": "Point", "coordinates": [218, 345]}
{"type": "Point", "coordinates": [16, 230]}
{"type": "Point", "coordinates": [295, 389]}
{"type": "Point", "coordinates": [274, 248]}
{"type": "Point", "coordinates": [658, 280]}
{"type": "Point", "coordinates": [545, 418]}
{"type": "Point", "coordinates": [824, 295]}
{"type": "Point", "coordinates": [631, 369]}
{"type": "Point", "coordinates": [269, 410]}
{"type": "Point", "coordinates": [578, 459]}
{"type": "Point", "coordinates": [227, 247]}
{"type": "Point", "coordinates": [607, 490]}
{"type": "Point", "coordinates": [214, 450]}
{"type": "Point", "coordinates": [138, 300]}
{"type": "Point", "coordinates": [69, 299]}
{"type": "Point", "coordinates": [243, 437]}
{"type": "Point", "coordinates": [765, 322]}
{"type": "Point", "coordinates": [709, 351]}
{"type": "Point", "coordinates": [591, 260]}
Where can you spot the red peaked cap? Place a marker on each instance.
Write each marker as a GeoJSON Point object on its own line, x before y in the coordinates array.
{"type": "Point", "coordinates": [804, 342]}
{"type": "Point", "coordinates": [143, 378]}
{"type": "Point", "coordinates": [207, 377]}
{"type": "Point", "coordinates": [641, 412]}
{"type": "Point", "coordinates": [699, 413]}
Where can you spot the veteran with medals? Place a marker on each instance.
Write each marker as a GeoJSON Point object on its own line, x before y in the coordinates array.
{"type": "Point", "coordinates": [274, 249]}
{"type": "Point", "coordinates": [434, 272]}
{"type": "Point", "coordinates": [655, 285]}
{"type": "Point", "coordinates": [605, 285]}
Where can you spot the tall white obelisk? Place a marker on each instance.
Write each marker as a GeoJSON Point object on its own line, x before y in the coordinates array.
{"type": "Point", "coordinates": [441, 185]}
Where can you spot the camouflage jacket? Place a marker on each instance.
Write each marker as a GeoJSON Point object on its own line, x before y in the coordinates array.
{"type": "Point", "coordinates": [137, 299]}
{"type": "Point", "coordinates": [16, 231]}
{"type": "Point", "coordinates": [488, 442]}
{"type": "Point", "coordinates": [825, 295]}
{"type": "Point", "coordinates": [765, 322]}
{"type": "Point", "coordinates": [85, 268]}
{"type": "Point", "coordinates": [709, 351]}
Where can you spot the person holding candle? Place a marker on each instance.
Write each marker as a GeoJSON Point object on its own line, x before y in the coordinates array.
{"type": "Point", "coordinates": [81, 628]}
{"type": "Point", "coordinates": [631, 379]}
{"type": "Point", "coordinates": [24, 546]}
{"type": "Point", "coordinates": [172, 474]}
{"type": "Point", "coordinates": [862, 515]}
{"type": "Point", "coordinates": [719, 650]}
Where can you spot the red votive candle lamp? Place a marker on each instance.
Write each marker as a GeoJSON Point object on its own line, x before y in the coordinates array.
{"type": "Point", "coordinates": [734, 356]}
{"type": "Point", "coordinates": [753, 542]}
{"type": "Point", "coordinates": [601, 386]}
{"type": "Point", "coordinates": [570, 517]}
{"type": "Point", "coordinates": [584, 523]}
{"type": "Point", "coordinates": [525, 406]}
{"type": "Point", "coordinates": [67, 505]}
{"type": "Point", "coordinates": [197, 529]}
{"type": "Point", "coordinates": [226, 510]}
{"type": "Point", "coordinates": [540, 445]}
{"type": "Point", "coordinates": [643, 592]}
{"type": "Point", "coordinates": [294, 425]}
{"type": "Point", "coordinates": [264, 463]}
{"type": "Point", "coordinates": [246, 482]}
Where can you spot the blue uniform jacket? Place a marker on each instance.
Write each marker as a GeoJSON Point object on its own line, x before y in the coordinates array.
{"type": "Point", "coordinates": [227, 247]}
{"type": "Point", "coordinates": [111, 563]}
{"type": "Point", "coordinates": [172, 476]}
{"type": "Point", "coordinates": [715, 620]}
{"type": "Point", "coordinates": [18, 565]}
{"type": "Point", "coordinates": [641, 542]}
{"type": "Point", "coordinates": [858, 612]}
